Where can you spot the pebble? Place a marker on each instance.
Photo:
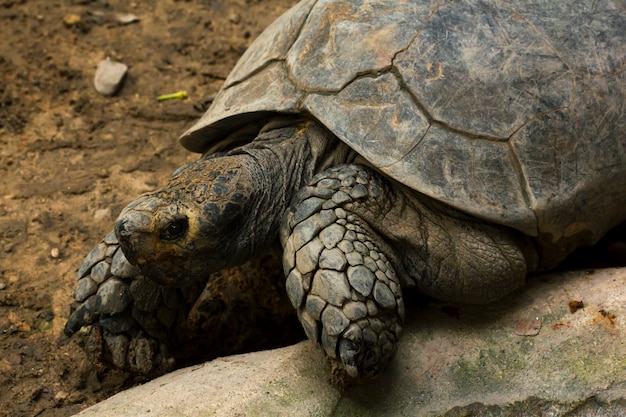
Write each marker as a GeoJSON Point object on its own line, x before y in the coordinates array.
{"type": "Point", "coordinates": [71, 19]}
{"type": "Point", "coordinates": [3, 285]}
{"type": "Point", "coordinates": [54, 253]}
{"type": "Point", "coordinates": [126, 18]}
{"type": "Point", "coordinates": [109, 76]}
{"type": "Point", "coordinates": [102, 214]}
{"type": "Point", "coordinates": [61, 396]}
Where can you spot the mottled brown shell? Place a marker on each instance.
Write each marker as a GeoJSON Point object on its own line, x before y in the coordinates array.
{"type": "Point", "coordinates": [513, 111]}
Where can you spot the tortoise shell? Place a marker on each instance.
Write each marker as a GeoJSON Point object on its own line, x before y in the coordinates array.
{"type": "Point", "coordinates": [512, 112]}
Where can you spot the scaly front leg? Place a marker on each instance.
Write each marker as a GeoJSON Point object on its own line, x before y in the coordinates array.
{"type": "Point", "coordinates": [132, 320]}
{"type": "Point", "coordinates": [340, 277]}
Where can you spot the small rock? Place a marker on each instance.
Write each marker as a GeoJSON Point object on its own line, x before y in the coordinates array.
{"type": "Point", "coordinates": [102, 214]}
{"type": "Point", "coordinates": [126, 18]}
{"type": "Point", "coordinates": [3, 285]}
{"type": "Point", "coordinates": [61, 396]}
{"type": "Point", "coordinates": [54, 253]}
{"type": "Point", "coordinates": [234, 18]}
{"type": "Point", "coordinates": [71, 19]}
{"type": "Point", "coordinates": [109, 77]}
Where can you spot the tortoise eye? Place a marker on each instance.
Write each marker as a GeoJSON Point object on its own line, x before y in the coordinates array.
{"type": "Point", "coordinates": [175, 229]}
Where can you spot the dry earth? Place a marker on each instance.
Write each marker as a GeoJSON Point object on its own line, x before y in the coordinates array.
{"type": "Point", "coordinates": [70, 159]}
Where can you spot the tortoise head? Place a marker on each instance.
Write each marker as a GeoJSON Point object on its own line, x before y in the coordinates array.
{"type": "Point", "coordinates": [191, 227]}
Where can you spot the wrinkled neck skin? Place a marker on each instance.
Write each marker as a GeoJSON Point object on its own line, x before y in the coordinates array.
{"type": "Point", "coordinates": [283, 158]}
{"type": "Point", "coordinates": [226, 207]}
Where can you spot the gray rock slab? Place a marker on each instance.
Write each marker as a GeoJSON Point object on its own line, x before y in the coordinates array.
{"type": "Point", "coordinates": [453, 361]}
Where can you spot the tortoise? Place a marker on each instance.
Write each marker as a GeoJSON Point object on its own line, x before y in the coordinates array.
{"type": "Point", "coordinates": [454, 147]}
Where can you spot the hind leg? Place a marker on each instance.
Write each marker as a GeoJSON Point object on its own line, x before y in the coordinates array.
{"type": "Point", "coordinates": [340, 277]}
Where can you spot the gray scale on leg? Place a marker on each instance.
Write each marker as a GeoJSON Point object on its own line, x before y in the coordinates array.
{"type": "Point", "coordinates": [383, 295]}
{"type": "Point", "coordinates": [331, 285]}
{"type": "Point", "coordinates": [334, 320]}
{"type": "Point", "coordinates": [310, 325]}
{"type": "Point", "coordinates": [332, 235]}
{"type": "Point", "coordinates": [315, 305]}
{"type": "Point", "coordinates": [348, 181]}
{"type": "Point", "coordinates": [333, 259]}
{"type": "Point", "coordinates": [113, 296]}
{"type": "Point", "coordinates": [118, 346]}
{"type": "Point", "coordinates": [304, 231]}
{"type": "Point", "coordinates": [329, 183]}
{"type": "Point", "coordinates": [101, 271]}
{"type": "Point", "coordinates": [369, 263]}
{"type": "Point", "coordinates": [97, 254]}
{"type": "Point", "coordinates": [307, 208]}
{"type": "Point", "coordinates": [355, 310]}
{"type": "Point", "coordinates": [350, 234]}
{"type": "Point", "coordinates": [85, 288]}
{"type": "Point", "coordinates": [354, 258]}
{"type": "Point", "coordinates": [346, 246]}
{"type": "Point", "coordinates": [295, 288]}
{"type": "Point", "coordinates": [307, 257]}
{"type": "Point", "coordinates": [324, 193]}
{"type": "Point", "coordinates": [382, 265]}
{"type": "Point", "coordinates": [360, 247]}
{"type": "Point", "coordinates": [361, 279]}
{"type": "Point", "coordinates": [341, 197]}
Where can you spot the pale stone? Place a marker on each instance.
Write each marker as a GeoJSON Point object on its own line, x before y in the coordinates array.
{"type": "Point", "coordinates": [470, 364]}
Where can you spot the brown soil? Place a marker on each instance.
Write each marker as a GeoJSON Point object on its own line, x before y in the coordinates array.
{"type": "Point", "coordinates": [70, 159]}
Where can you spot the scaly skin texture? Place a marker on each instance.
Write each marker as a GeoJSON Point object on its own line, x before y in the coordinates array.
{"type": "Point", "coordinates": [351, 239]}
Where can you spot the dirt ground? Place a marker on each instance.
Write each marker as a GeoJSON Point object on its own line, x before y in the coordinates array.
{"type": "Point", "coordinates": [70, 159]}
